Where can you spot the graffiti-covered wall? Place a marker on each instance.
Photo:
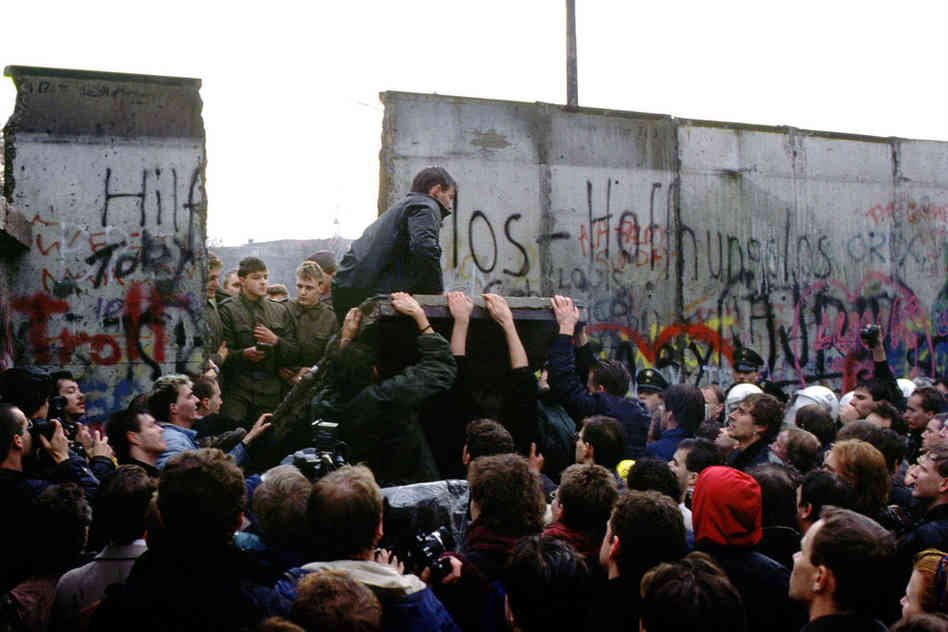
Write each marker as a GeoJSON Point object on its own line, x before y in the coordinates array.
{"type": "Point", "coordinates": [109, 170]}
{"type": "Point", "coordinates": [687, 239]}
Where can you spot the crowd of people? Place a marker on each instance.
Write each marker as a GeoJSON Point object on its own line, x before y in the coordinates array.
{"type": "Point", "coordinates": [677, 508]}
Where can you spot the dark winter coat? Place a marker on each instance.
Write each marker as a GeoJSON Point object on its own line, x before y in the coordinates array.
{"type": "Point", "coordinates": [380, 424]}
{"type": "Point", "coordinates": [580, 403]}
{"type": "Point", "coordinates": [398, 252]}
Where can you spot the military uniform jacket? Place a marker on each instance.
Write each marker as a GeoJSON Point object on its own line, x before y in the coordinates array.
{"type": "Point", "coordinates": [239, 316]}
{"type": "Point", "coordinates": [315, 325]}
{"type": "Point", "coordinates": [215, 330]}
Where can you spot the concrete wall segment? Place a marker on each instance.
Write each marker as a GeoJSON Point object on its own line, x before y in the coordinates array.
{"type": "Point", "coordinates": [689, 238]}
{"type": "Point", "coordinates": [109, 171]}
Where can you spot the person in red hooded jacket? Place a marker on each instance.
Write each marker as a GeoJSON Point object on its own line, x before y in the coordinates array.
{"type": "Point", "coordinates": [726, 513]}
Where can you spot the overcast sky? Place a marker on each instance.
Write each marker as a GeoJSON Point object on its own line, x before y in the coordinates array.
{"type": "Point", "coordinates": [290, 94]}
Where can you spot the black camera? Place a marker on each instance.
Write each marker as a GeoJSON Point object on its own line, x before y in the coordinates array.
{"type": "Point", "coordinates": [870, 335]}
{"type": "Point", "coordinates": [327, 455]}
{"type": "Point", "coordinates": [425, 551]}
{"type": "Point", "coordinates": [43, 427]}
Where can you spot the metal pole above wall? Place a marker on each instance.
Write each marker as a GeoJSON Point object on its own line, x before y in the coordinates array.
{"type": "Point", "coordinates": [572, 91]}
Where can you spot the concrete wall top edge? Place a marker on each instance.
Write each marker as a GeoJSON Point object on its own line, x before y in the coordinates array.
{"type": "Point", "coordinates": [393, 95]}
{"type": "Point", "coordinates": [98, 104]}
{"type": "Point", "coordinates": [68, 73]}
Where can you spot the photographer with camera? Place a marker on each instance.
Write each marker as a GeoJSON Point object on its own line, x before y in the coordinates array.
{"type": "Point", "coordinates": [345, 520]}
{"type": "Point", "coordinates": [20, 438]}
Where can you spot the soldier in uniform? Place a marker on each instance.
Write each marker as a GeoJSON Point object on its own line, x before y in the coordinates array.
{"type": "Point", "coordinates": [262, 339]}
{"type": "Point", "coordinates": [216, 347]}
{"type": "Point", "coordinates": [314, 320]}
{"type": "Point", "coordinates": [747, 366]}
{"type": "Point", "coordinates": [327, 263]}
{"type": "Point", "coordinates": [650, 384]}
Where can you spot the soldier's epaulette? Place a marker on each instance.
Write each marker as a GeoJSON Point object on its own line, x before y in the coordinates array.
{"type": "Point", "coordinates": [278, 300]}
{"type": "Point", "coordinates": [225, 301]}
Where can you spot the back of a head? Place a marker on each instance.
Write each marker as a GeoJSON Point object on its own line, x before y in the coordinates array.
{"type": "Point", "coordinates": [932, 567]}
{"type": "Point", "coordinates": [332, 600]}
{"type": "Point", "coordinates": [325, 260]}
{"type": "Point", "coordinates": [344, 512]}
{"type": "Point", "coordinates": [778, 489]}
{"type": "Point", "coordinates": [859, 552]}
{"type": "Point", "coordinates": [726, 508]}
{"type": "Point", "coordinates": [921, 623]}
{"type": "Point", "coordinates": [26, 388]}
{"type": "Point", "coordinates": [430, 177]}
{"type": "Point", "coordinates": [508, 495]}
{"type": "Point", "coordinates": [279, 504]}
{"type": "Point", "coordinates": [10, 426]}
{"type": "Point", "coordinates": [930, 399]}
{"type": "Point", "coordinates": [821, 488]}
{"type": "Point", "coordinates": [121, 504]}
{"type": "Point", "coordinates": [686, 403]}
{"type": "Point", "coordinates": [277, 292]}
{"type": "Point", "coordinates": [607, 438]}
{"type": "Point", "coordinates": [887, 411]}
{"type": "Point", "coordinates": [612, 376]}
{"type": "Point", "coordinates": [653, 474]}
{"type": "Point", "coordinates": [702, 453]}
{"type": "Point", "coordinates": [861, 429]}
{"type": "Point", "coordinates": [650, 529]}
{"type": "Point", "coordinates": [353, 368]}
{"type": "Point", "coordinates": [803, 449]}
{"type": "Point", "coordinates": [486, 437]}
{"type": "Point", "coordinates": [691, 595]}
{"type": "Point", "coordinates": [204, 387]}
{"type": "Point", "coordinates": [548, 585]}
{"type": "Point", "coordinates": [892, 446]}
{"type": "Point", "coordinates": [61, 517]}
{"type": "Point", "coordinates": [864, 467]}
{"type": "Point", "coordinates": [815, 419]}
{"type": "Point", "coordinates": [587, 494]}
{"type": "Point", "coordinates": [201, 497]}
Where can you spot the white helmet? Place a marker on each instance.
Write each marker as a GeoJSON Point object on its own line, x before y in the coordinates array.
{"type": "Point", "coordinates": [907, 387]}
{"type": "Point", "coordinates": [737, 395]}
{"type": "Point", "coordinates": [816, 394]}
{"type": "Point", "coordinates": [846, 399]}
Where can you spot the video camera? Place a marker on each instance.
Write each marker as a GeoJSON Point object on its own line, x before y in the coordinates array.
{"type": "Point", "coordinates": [327, 455]}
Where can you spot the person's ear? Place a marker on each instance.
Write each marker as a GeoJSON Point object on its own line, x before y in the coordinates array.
{"type": "Point", "coordinates": [465, 456]}
{"type": "Point", "coordinates": [692, 478]}
{"type": "Point", "coordinates": [824, 581]}
{"type": "Point", "coordinates": [614, 547]}
{"type": "Point", "coordinates": [804, 511]}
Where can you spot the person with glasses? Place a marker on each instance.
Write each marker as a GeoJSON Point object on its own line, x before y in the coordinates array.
{"type": "Point", "coordinates": [20, 485]}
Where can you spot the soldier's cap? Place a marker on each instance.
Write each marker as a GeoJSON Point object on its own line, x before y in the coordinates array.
{"type": "Point", "coordinates": [651, 381]}
{"type": "Point", "coordinates": [747, 360]}
{"type": "Point", "coordinates": [325, 259]}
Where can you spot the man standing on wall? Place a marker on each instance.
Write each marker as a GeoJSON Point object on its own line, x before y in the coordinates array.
{"type": "Point", "coordinates": [400, 251]}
